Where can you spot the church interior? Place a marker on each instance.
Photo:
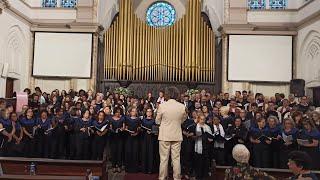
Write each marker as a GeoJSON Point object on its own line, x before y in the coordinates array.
{"type": "Point", "coordinates": [63, 60]}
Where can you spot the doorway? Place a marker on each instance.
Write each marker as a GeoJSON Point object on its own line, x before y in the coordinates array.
{"type": "Point", "coordinates": [9, 87]}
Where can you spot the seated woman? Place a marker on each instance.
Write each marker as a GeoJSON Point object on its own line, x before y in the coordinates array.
{"type": "Point", "coordinates": [243, 170]}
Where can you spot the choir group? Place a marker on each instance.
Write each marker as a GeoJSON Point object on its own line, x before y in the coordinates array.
{"type": "Point", "coordinates": [82, 125]}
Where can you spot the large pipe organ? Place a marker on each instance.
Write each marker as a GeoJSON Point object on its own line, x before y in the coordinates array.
{"type": "Point", "coordinates": [183, 52]}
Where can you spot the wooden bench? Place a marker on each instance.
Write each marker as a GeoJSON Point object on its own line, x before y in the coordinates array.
{"type": "Point", "coordinates": [277, 173]}
{"type": "Point", "coordinates": [53, 167]}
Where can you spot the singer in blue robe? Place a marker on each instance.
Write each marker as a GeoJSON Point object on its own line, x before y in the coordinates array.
{"type": "Point", "coordinates": [43, 139]}
{"type": "Point", "coordinates": [7, 133]}
{"type": "Point", "coordinates": [287, 144]}
{"type": "Point", "coordinates": [28, 124]}
{"type": "Point", "coordinates": [259, 137]}
{"type": "Point", "coordinates": [312, 135]}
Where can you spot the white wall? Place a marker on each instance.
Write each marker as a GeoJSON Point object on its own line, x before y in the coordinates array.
{"type": "Point", "coordinates": [15, 49]}
{"type": "Point", "coordinates": [308, 54]}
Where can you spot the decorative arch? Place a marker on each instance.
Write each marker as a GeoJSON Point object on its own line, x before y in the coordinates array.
{"type": "Point", "coordinates": [14, 50]}
{"type": "Point", "coordinates": [309, 58]}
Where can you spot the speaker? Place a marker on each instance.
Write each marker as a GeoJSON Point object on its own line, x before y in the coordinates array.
{"type": "Point", "coordinates": [297, 87]}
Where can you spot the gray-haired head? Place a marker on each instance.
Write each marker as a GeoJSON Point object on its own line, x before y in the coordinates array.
{"type": "Point", "coordinates": [240, 153]}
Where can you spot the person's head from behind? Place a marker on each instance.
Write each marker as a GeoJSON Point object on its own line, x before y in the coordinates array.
{"type": "Point", "coordinates": [240, 153]}
{"type": "Point", "coordinates": [172, 93]}
{"type": "Point", "coordinates": [299, 161]}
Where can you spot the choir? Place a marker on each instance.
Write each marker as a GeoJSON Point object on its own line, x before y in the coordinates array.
{"type": "Point", "coordinates": [82, 125]}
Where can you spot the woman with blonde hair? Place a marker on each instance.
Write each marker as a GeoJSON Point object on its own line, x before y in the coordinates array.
{"type": "Point", "coordinates": [288, 141]}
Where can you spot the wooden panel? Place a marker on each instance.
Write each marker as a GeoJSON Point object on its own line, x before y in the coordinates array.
{"type": "Point", "coordinates": [20, 166]}
{"type": "Point", "coordinates": [9, 87]}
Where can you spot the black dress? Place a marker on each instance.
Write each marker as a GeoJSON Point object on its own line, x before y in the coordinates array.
{"type": "Point", "coordinates": [275, 146]}
{"type": "Point", "coordinates": [83, 139]}
{"type": "Point", "coordinates": [29, 143]}
{"type": "Point", "coordinates": [71, 137]}
{"type": "Point", "coordinates": [17, 148]}
{"type": "Point", "coordinates": [43, 138]}
{"type": "Point", "coordinates": [187, 147]}
{"type": "Point", "coordinates": [261, 151]}
{"type": "Point", "coordinates": [238, 135]}
{"type": "Point", "coordinates": [132, 146]}
{"type": "Point", "coordinates": [116, 142]}
{"type": "Point", "coordinates": [286, 149]}
{"type": "Point", "coordinates": [148, 151]}
{"type": "Point", "coordinates": [313, 152]}
{"type": "Point", "coordinates": [98, 142]}
{"type": "Point", "coordinates": [58, 138]}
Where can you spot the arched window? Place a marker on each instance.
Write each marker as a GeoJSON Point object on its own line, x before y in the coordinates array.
{"type": "Point", "coordinates": [68, 3]}
{"type": "Point", "coordinates": [161, 14]}
{"type": "Point", "coordinates": [49, 3]}
{"type": "Point", "coordinates": [278, 4]}
{"type": "Point", "coordinates": [256, 4]}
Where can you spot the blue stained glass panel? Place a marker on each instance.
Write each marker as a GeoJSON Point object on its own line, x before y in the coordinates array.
{"type": "Point", "coordinates": [278, 4]}
{"type": "Point", "coordinates": [49, 3]}
{"type": "Point", "coordinates": [161, 14]}
{"type": "Point", "coordinates": [68, 3]}
{"type": "Point", "coordinates": [256, 4]}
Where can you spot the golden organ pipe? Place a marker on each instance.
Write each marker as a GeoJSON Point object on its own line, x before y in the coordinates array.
{"type": "Point", "coordinates": [182, 52]}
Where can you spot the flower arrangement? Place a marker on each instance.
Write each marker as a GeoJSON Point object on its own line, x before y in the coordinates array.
{"type": "Point", "coordinates": [123, 91]}
{"type": "Point", "coordinates": [190, 92]}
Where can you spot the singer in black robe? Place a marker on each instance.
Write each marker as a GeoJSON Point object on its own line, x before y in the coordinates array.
{"type": "Point", "coordinates": [83, 136]}
{"type": "Point", "coordinates": [71, 134]}
{"type": "Point", "coordinates": [116, 139]}
{"type": "Point", "coordinates": [236, 134]}
{"type": "Point", "coordinates": [149, 139]}
{"type": "Point", "coordinates": [132, 125]}
{"type": "Point", "coordinates": [99, 137]}
{"type": "Point", "coordinates": [187, 146]}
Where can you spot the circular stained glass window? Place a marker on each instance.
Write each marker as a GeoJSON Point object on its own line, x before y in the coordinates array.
{"type": "Point", "coordinates": [161, 14]}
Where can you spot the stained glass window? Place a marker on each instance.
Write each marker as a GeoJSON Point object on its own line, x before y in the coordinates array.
{"type": "Point", "coordinates": [278, 4]}
{"type": "Point", "coordinates": [161, 14]}
{"type": "Point", "coordinates": [68, 3]}
{"type": "Point", "coordinates": [49, 3]}
{"type": "Point", "coordinates": [256, 4]}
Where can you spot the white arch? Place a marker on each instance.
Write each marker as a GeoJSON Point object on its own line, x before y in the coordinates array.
{"type": "Point", "coordinates": [14, 50]}
{"type": "Point", "coordinates": [309, 53]}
